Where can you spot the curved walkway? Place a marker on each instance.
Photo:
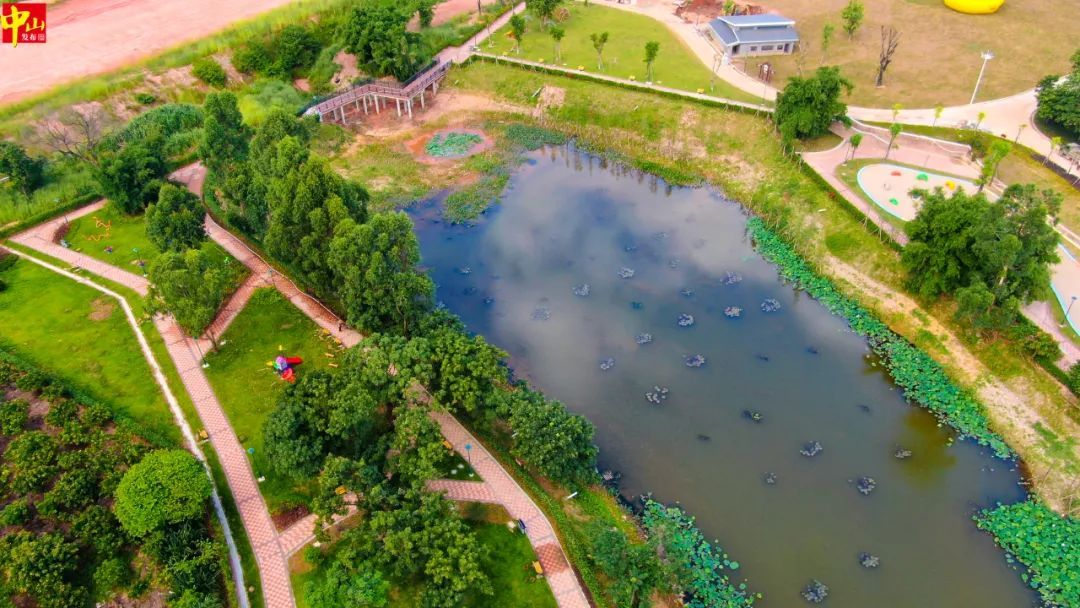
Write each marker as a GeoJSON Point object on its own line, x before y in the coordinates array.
{"type": "Point", "coordinates": [498, 486]}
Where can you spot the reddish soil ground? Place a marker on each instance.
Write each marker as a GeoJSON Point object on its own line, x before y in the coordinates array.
{"type": "Point", "coordinates": [87, 37]}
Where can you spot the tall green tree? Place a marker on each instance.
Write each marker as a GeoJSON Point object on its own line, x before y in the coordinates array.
{"type": "Point", "coordinates": [190, 286]}
{"type": "Point", "coordinates": [376, 276]}
{"type": "Point", "coordinates": [416, 447]}
{"type": "Point", "coordinates": [425, 10]}
{"type": "Point", "coordinates": [546, 436]}
{"type": "Point", "coordinates": [894, 131]}
{"type": "Point", "coordinates": [131, 176]}
{"type": "Point", "coordinates": [808, 106]}
{"type": "Point", "coordinates": [361, 588]}
{"type": "Point", "coordinates": [557, 33]}
{"type": "Point", "coordinates": [25, 173]}
{"type": "Point", "coordinates": [652, 49]}
{"type": "Point", "coordinates": [175, 221]}
{"type": "Point", "coordinates": [993, 256]}
{"type": "Point", "coordinates": [634, 569]}
{"type": "Point", "coordinates": [1059, 98]}
{"type": "Point", "coordinates": [307, 200]}
{"type": "Point", "coordinates": [376, 32]}
{"type": "Point", "coordinates": [517, 30]}
{"type": "Point", "coordinates": [224, 143]}
{"type": "Point", "coordinates": [998, 151]}
{"type": "Point", "coordinates": [598, 43]}
{"type": "Point", "coordinates": [545, 10]}
{"type": "Point", "coordinates": [826, 39]}
{"type": "Point", "coordinates": [165, 487]}
{"type": "Point", "coordinates": [852, 16]}
{"type": "Point", "coordinates": [466, 368]}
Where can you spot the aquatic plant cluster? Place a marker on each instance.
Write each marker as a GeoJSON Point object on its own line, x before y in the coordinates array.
{"type": "Point", "coordinates": [1047, 543]}
{"type": "Point", "coordinates": [924, 380]}
{"type": "Point", "coordinates": [707, 566]}
{"type": "Point", "coordinates": [451, 144]}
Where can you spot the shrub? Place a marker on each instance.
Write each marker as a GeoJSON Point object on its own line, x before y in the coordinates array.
{"type": "Point", "coordinates": [167, 486]}
{"type": "Point", "coordinates": [110, 574]}
{"type": "Point", "coordinates": [251, 59]}
{"type": "Point", "coordinates": [165, 121]}
{"type": "Point", "coordinates": [208, 70]}
{"type": "Point", "coordinates": [145, 98]}
{"type": "Point", "coordinates": [267, 95]}
{"type": "Point", "coordinates": [13, 416]}
{"type": "Point", "coordinates": [15, 513]}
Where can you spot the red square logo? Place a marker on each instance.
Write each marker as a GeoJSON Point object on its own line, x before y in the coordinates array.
{"type": "Point", "coordinates": [22, 23]}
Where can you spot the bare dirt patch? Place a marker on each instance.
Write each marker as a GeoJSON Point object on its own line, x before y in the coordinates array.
{"type": "Point", "coordinates": [101, 309]}
{"type": "Point", "coordinates": [550, 97]}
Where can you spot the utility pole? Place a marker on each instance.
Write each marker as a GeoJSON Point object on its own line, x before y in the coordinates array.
{"type": "Point", "coordinates": [986, 56]}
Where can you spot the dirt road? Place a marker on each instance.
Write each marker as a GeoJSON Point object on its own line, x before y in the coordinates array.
{"type": "Point", "coordinates": [88, 37]}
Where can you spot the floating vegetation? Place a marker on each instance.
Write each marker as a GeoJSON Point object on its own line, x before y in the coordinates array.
{"type": "Point", "coordinates": [673, 263]}
{"type": "Point", "coordinates": [687, 292]}
{"type": "Point", "coordinates": [865, 485]}
{"type": "Point", "coordinates": [606, 364]}
{"type": "Point", "coordinates": [489, 301]}
{"type": "Point", "coordinates": [701, 437]}
{"type": "Point", "coordinates": [706, 565]}
{"type": "Point", "coordinates": [657, 396]}
{"type": "Point", "coordinates": [769, 479]}
{"type": "Point", "coordinates": [815, 592]}
{"type": "Point", "coordinates": [686, 320]}
{"type": "Point", "coordinates": [626, 273]}
{"type": "Point", "coordinates": [770, 305]}
{"type": "Point", "coordinates": [811, 449]}
{"type": "Point", "coordinates": [464, 270]}
{"type": "Point", "coordinates": [582, 290]}
{"type": "Point", "coordinates": [468, 291]}
{"type": "Point", "coordinates": [753, 416]}
{"type": "Point", "coordinates": [541, 313]}
{"type": "Point", "coordinates": [731, 278]}
{"type": "Point", "coordinates": [923, 380]}
{"type": "Point", "coordinates": [630, 248]}
{"type": "Point", "coordinates": [864, 408]}
{"type": "Point", "coordinates": [451, 144]}
{"type": "Point", "coordinates": [901, 453]}
{"type": "Point", "coordinates": [869, 561]}
{"type": "Point", "coordinates": [733, 312]}
{"type": "Point", "coordinates": [610, 477]}
{"type": "Point", "coordinates": [694, 360]}
{"type": "Point", "coordinates": [644, 338]}
{"type": "Point", "coordinates": [762, 357]}
{"type": "Point", "coordinates": [637, 305]}
{"type": "Point", "coordinates": [1047, 543]}
{"type": "Point", "coordinates": [660, 236]}
{"type": "Point", "coordinates": [812, 350]}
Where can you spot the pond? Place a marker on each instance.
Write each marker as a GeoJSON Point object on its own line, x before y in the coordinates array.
{"type": "Point", "coordinates": [589, 274]}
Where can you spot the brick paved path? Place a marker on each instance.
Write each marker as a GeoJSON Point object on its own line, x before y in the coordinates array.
{"type": "Point", "coordinates": [41, 238]}
{"type": "Point", "coordinates": [273, 565]}
{"type": "Point", "coordinates": [500, 488]}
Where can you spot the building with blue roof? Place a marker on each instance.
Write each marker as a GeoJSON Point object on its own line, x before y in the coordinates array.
{"type": "Point", "coordinates": [748, 35]}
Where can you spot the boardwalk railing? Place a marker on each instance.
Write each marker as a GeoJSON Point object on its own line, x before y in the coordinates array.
{"type": "Point", "coordinates": [372, 91]}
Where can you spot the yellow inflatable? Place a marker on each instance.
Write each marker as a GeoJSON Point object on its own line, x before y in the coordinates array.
{"type": "Point", "coordinates": [975, 7]}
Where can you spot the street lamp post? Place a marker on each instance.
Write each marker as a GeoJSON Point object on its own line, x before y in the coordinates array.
{"type": "Point", "coordinates": [1071, 302]}
{"type": "Point", "coordinates": [986, 56]}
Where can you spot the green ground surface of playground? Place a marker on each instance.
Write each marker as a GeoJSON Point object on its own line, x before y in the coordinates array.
{"type": "Point", "coordinates": [248, 388]}
{"type": "Point", "coordinates": [82, 336]}
{"type": "Point", "coordinates": [676, 66]}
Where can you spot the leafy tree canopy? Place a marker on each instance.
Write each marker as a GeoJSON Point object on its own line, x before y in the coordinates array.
{"type": "Point", "coordinates": [167, 486]}
{"type": "Point", "coordinates": [225, 136]}
{"type": "Point", "coordinates": [1059, 99]}
{"type": "Point", "coordinates": [807, 106]}
{"type": "Point", "coordinates": [376, 33]}
{"type": "Point", "coordinates": [26, 174]}
{"type": "Point", "coordinates": [175, 221]}
{"type": "Point", "coordinates": [132, 176]}
{"type": "Point", "coordinates": [190, 286]}
{"type": "Point", "coordinates": [559, 444]}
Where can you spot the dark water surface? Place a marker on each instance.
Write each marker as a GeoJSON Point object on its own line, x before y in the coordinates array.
{"type": "Point", "coordinates": [567, 220]}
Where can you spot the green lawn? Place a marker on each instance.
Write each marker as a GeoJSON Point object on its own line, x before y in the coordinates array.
{"type": "Point", "coordinates": [676, 65]}
{"type": "Point", "coordinates": [248, 388]}
{"type": "Point", "coordinates": [509, 566]}
{"type": "Point", "coordinates": [82, 336]}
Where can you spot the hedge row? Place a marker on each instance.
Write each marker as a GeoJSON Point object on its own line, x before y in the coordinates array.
{"type": "Point", "coordinates": [924, 380]}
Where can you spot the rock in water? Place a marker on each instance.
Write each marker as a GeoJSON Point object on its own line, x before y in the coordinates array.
{"type": "Point", "coordinates": [685, 320]}
{"type": "Point", "coordinates": [815, 592]}
{"type": "Point", "coordinates": [694, 361]}
{"type": "Point", "coordinates": [865, 485]}
{"type": "Point", "coordinates": [811, 449]}
{"type": "Point", "coordinates": [770, 305]}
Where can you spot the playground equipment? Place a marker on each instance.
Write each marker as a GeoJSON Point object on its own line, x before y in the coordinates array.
{"type": "Point", "coordinates": [285, 367]}
{"type": "Point", "coordinates": [975, 7]}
